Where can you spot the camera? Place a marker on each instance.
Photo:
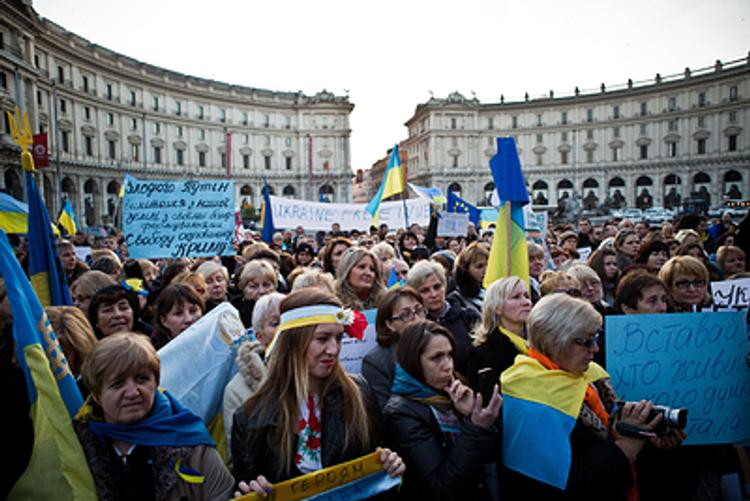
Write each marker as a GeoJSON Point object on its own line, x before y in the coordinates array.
{"type": "Point", "coordinates": [671, 419]}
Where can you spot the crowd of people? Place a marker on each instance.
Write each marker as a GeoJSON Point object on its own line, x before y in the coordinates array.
{"type": "Point", "coordinates": [422, 398]}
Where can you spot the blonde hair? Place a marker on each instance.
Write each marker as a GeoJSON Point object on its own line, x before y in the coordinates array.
{"type": "Point", "coordinates": [119, 354]}
{"type": "Point", "coordinates": [208, 268]}
{"type": "Point", "coordinates": [682, 235]}
{"type": "Point", "coordinates": [314, 277]}
{"type": "Point", "coordinates": [494, 298]}
{"type": "Point", "coordinates": [109, 253]}
{"type": "Point", "coordinates": [474, 251]}
{"type": "Point", "coordinates": [687, 265]}
{"type": "Point", "coordinates": [193, 279]}
{"type": "Point", "coordinates": [384, 251]}
{"type": "Point", "coordinates": [91, 282]}
{"type": "Point", "coordinates": [553, 280]}
{"type": "Point", "coordinates": [255, 269]}
{"type": "Point", "coordinates": [583, 273]}
{"type": "Point", "coordinates": [74, 332]}
{"type": "Point", "coordinates": [725, 251]}
{"type": "Point", "coordinates": [556, 320]}
{"type": "Point", "coordinates": [344, 290]}
{"type": "Point", "coordinates": [286, 386]}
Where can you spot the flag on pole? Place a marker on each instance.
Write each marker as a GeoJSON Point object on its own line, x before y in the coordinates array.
{"type": "Point", "coordinates": [68, 219]}
{"type": "Point", "coordinates": [508, 255]}
{"type": "Point", "coordinates": [432, 194]}
{"type": "Point", "coordinates": [14, 215]}
{"type": "Point", "coordinates": [266, 215]}
{"type": "Point", "coordinates": [393, 184]}
{"type": "Point", "coordinates": [459, 205]}
{"type": "Point", "coordinates": [58, 467]}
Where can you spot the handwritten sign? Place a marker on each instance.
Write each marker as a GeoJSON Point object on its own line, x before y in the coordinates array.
{"type": "Point", "coordinates": [353, 350]}
{"type": "Point", "coordinates": [583, 253]}
{"type": "Point", "coordinates": [172, 219]}
{"type": "Point", "coordinates": [731, 294]}
{"type": "Point", "coordinates": [686, 360]}
{"type": "Point", "coordinates": [315, 216]}
{"type": "Point", "coordinates": [453, 224]}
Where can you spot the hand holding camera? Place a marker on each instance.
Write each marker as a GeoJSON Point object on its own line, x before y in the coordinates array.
{"type": "Point", "coordinates": [638, 421]}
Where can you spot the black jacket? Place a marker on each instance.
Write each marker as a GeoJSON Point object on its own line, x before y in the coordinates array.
{"type": "Point", "coordinates": [497, 353]}
{"type": "Point", "coordinates": [466, 292]}
{"type": "Point", "coordinates": [254, 452]}
{"type": "Point", "coordinates": [378, 368]}
{"type": "Point", "coordinates": [437, 468]}
{"type": "Point", "coordinates": [460, 322]}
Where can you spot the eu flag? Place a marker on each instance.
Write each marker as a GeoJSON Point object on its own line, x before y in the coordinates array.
{"type": "Point", "coordinates": [58, 467]}
{"type": "Point", "coordinates": [458, 204]}
{"type": "Point", "coordinates": [45, 268]}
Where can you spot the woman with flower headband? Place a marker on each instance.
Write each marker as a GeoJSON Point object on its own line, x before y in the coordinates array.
{"type": "Point", "coordinates": [308, 413]}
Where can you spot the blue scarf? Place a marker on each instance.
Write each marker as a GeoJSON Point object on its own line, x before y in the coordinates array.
{"type": "Point", "coordinates": [168, 424]}
{"type": "Point", "coordinates": [406, 385]}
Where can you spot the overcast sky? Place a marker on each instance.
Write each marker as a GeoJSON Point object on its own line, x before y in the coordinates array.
{"type": "Point", "coordinates": [390, 54]}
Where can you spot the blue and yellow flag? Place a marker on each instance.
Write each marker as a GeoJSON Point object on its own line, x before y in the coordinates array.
{"type": "Point", "coordinates": [266, 215]}
{"type": "Point", "coordinates": [58, 467]}
{"type": "Point", "coordinates": [509, 254]}
{"type": "Point", "coordinates": [461, 206]}
{"type": "Point", "coordinates": [14, 215]}
{"type": "Point", "coordinates": [393, 281]}
{"type": "Point", "coordinates": [393, 184]}
{"type": "Point", "coordinates": [68, 219]}
{"type": "Point", "coordinates": [540, 410]}
{"type": "Point", "coordinates": [45, 268]}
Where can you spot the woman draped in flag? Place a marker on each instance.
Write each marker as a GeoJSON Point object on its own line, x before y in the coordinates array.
{"type": "Point", "coordinates": [139, 441]}
{"type": "Point", "coordinates": [308, 413]}
{"type": "Point", "coordinates": [558, 442]}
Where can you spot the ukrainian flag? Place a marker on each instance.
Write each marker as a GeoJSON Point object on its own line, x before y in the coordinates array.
{"type": "Point", "coordinates": [58, 467]}
{"type": "Point", "coordinates": [68, 219]}
{"type": "Point", "coordinates": [540, 410]}
{"type": "Point", "coordinates": [45, 268]}
{"type": "Point", "coordinates": [508, 254]}
{"type": "Point", "coordinates": [393, 184]}
{"type": "Point", "coordinates": [393, 281]}
{"type": "Point", "coordinates": [14, 215]}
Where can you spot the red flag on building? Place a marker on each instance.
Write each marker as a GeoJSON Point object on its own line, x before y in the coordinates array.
{"type": "Point", "coordinates": [39, 150]}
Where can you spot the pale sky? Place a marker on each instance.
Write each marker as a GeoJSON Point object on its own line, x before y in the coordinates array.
{"type": "Point", "coordinates": [390, 54]}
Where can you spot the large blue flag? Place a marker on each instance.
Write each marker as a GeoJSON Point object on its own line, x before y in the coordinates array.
{"type": "Point", "coordinates": [45, 268]}
{"type": "Point", "coordinates": [58, 467]}
{"type": "Point", "coordinates": [458, 204]}
{"type": "Point", "coordinates": [266, 215]}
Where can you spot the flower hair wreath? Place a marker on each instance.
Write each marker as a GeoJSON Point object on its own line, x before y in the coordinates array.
{"type": "Point", "coordinates": [353, 321]}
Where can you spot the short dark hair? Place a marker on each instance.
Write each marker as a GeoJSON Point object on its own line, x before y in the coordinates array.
{"type": "Point", "coordinates": [649, 248]}
{"type": "Point", "coordinates": [414, 341]}
{"type": "Point", "coordinates": [111, 295]}
{"type": "Point", "coordinates": [385, 312]}
{"type": "Point", "coordinates": [629, 290]}
{"type": "Point", "coordinates": [174, 294]}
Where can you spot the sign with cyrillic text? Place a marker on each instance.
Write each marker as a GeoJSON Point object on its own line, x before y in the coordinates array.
{"type": "Point", "coordinates": [173, 219]}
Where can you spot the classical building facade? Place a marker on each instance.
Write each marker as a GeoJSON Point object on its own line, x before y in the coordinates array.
{"type": "Point", "coordinates": [116, 115]}
{"type": "Point", "coordinates": [648, 143]}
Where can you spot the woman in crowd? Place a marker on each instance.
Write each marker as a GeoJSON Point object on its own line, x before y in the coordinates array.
{"type": "Point", "coordinates": [686, 279]}
{"type": "Point", "coordinates": [251, 367]}
{"type": "Point", "coordinates": [537, 261]}
{"type": "Point", "coordinates": [217, 283]}
{"type": "Point", "coordinates": [110, 264]}
{"type": "Point", "coordinates": [563, 335]}
{"type": "Point", "coordinates": [604, 262]}
{"type": "Point", "coordinates": [502, 334]}
{"type": "Point", "coordinates": [194, 280]}
{"type": "Point", "coordinates": [696, 250]}
{"type": "Point", "coordinates": [407, 242]}
{"type": "Point", "coordinates": [331, 254]}
{"type": "Point", "coordinates": [428, 279]}
{"type": "Point", "coordinates": [640, 292]}
{"type": "Point", "coordinates": [151, 274]}
{"type": "Point", "coordinates": [626, 246]}
{"type": "Point", "coordinates": [257, 279]}
{"type": "Point", "coordinates": [468, 276]}
{"type": "Point", "coordinates": [396, 269]}
{"type": "Point", "coordinates": [398, 308]}
{"type": "Point", "coordinates": [115, 309]}
{"type": "Point", "coordinates": [359, 283]}
{"type": "Point", "coordinates": [179, 306]}
{"type": "Point", "coordinates": [731, 260]}
{"type": "Point", "coordinates": [88, 284]}
{"type": "Point", "coordinates": [315, 277]}
{"type": "Point", "coordinates": [308, 413]}
{"type": "Point", "coordinates": [303, 254]}
{"type": "Point", "coordinates": [128, 457]}
{"type": "Point", "coordinates": [440, 427]}
{"type": "Point", "coordinates": [73, 330]}
{"type": "Point", "coordinates": [384, 251]}
{"type": "Point", "coordinates": [652, 255]}
{"type": "Point", "coordinates": [590, 286]}
{"type": "Point", "coordinates": [559, 281]}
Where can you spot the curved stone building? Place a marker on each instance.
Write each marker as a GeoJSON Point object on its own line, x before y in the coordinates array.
{"type": "Point", "coordinates": [116, 115]}
{"type": "Point", "coordinates": [647, 143]}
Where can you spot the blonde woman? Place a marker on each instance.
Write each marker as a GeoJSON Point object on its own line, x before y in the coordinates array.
{"type": "Point", "coordinates": [359, 283]}
{"type": "Point", "coordinates": [75, 334]}
{"type": "Point", "coordinates": [308, 413]}
{"type": "Point", "coordinates": [257, 279]}
{"type": "Point", "coordinates": [502, 334]}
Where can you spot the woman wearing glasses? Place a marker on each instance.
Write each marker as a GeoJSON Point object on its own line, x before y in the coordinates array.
{"type": "Point", "coordinates": [686, 279]}
{"type": "Point", "coordinates": [502, 334]}
{"type": "Point", "coordinates": [589, 461]}
{"type": "Point", "coordinates": [398, 308]}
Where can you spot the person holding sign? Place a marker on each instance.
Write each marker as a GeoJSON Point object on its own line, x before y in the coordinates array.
{"type": "Point", "coordinates": [308, 413]}
{"type": "Point", "coordinates": [442, 428]}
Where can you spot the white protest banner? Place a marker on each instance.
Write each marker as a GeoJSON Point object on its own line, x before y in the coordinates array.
{"type": "Point", "coordinates": [314, 216]}
{"type": "Point", "coordinates": [731, 294]}
{"type": "Point", "coordinates": [171, 219]}
{"type": "Point", "coordinates": [82, 252]}
{"type": "Point", "coordinates": [353, 350]}
{"type": "Point", "coordinates": [453, 224]}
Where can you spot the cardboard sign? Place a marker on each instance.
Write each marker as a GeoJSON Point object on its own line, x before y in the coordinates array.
{"type": "Point", "coordinates": [731, 295]}
{"type": "Point", "coordinates": [353, 350]}
{"type": "Point", "coordinates": [686, 360]}
{"type": "Point", "coordinates": [453, 224]}
{"type": "Point", "coordinates": [173, 219]}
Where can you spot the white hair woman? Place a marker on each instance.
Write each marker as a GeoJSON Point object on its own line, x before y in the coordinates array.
{"type": "Point", "coordinates": [502, 334]}
{"type": "Point", "coordinates": [217, 283]}
{"type": "Point", "coordinates": [559, 387]}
